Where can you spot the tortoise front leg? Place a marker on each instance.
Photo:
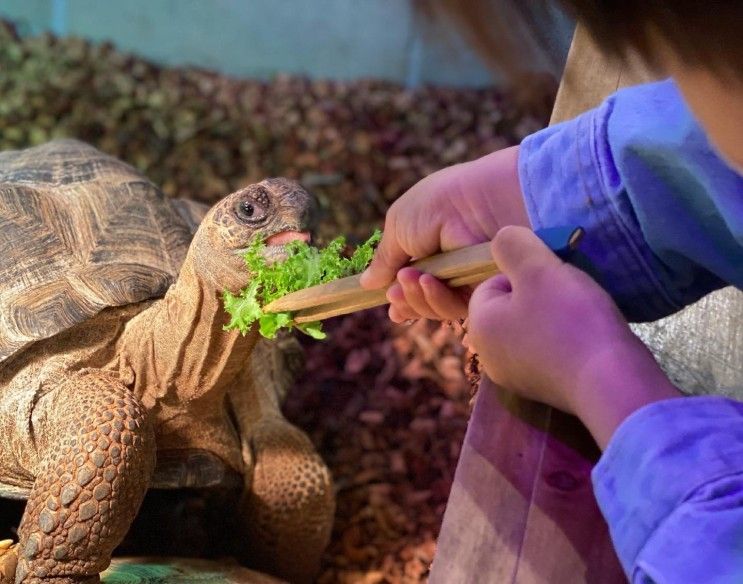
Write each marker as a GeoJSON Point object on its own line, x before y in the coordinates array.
{"type": "Point", "coordinates": [288, 506]}
{"type": "Point", "coordinates": [96, 455]}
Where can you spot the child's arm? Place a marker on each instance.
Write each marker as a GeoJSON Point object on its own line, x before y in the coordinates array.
{"type": "Point", "coordinates": [670, 485]}
{"type": "Point", "coordinates": [670, 482]}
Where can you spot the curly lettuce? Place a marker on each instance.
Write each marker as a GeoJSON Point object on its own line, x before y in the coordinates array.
{"type": "Point", "coordinates": [303, 267]}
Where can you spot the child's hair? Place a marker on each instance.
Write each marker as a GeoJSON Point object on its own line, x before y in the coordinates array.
{"type": "Point", "coordinates": [700, 33]}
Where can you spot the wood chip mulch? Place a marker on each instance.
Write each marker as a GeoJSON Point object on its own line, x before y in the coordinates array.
{"type": "Point", "coordinates": [387, 406]}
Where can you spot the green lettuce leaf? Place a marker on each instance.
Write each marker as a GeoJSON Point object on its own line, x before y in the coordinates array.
{"type": "Point", "coordinates": [303, 267]}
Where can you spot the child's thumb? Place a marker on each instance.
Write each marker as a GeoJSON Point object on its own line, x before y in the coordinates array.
{"type": "Point", "coordinates": [517, 250]}
{"type": "Point", "coordinates": [388, 258]}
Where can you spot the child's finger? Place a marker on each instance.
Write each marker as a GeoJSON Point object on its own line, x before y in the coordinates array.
{"type": "Point", "coordinates": [497, 285]}
{"type": "Point", "coordinates": [399, 310]}
{"type": "Point", "coordinates": [487, 301]}
{"type": "Point", "coordinates": [447, 303]}
{"type": "Point", "coordinates": [398, 317]}
{"type": "Point", "coordinates": [490, 292]}
{"type": "Point", "coordinates": [488, 312]}
{"type": "Point", "coordinates": [388, 258]}
{"type": "Point", "coordinates": [409, 279]}
{"type": "Point", "coordinates": [516, 250]}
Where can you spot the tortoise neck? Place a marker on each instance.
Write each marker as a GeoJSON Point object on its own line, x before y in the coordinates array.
{"type": "Point", "coordinates": [178, 349]}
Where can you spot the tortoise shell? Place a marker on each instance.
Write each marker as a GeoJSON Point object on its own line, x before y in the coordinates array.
{"type": "Point", "coordinates": [80, 231]}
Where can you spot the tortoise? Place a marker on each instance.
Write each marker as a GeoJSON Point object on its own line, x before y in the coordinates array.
{"type": "Point", "coordinates": [112, 348]}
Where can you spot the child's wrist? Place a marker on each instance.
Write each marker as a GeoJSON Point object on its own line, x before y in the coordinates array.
{"type": "Point", "coordinates": [616, 382]}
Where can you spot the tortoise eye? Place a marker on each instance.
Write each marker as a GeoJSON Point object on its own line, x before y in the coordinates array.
{"type": "Point", "coordinates": [251, 211]}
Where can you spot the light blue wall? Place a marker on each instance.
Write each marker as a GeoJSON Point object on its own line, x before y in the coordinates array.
{"type": "Point", "coordinates": [337, 39]}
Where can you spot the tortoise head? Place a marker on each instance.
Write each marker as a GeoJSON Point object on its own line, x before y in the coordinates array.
{"type": "Point", "coordinates": [275, 210]}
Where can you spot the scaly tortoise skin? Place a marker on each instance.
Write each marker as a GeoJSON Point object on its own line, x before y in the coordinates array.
{"type": "Point", "coordinates": [111, 347]}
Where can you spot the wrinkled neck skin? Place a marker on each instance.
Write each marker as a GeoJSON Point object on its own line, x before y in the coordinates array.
{"type": "Point", "coordinates": [182, 360]}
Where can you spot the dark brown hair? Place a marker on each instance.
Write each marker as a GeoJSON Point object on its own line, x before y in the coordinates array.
{"type": "Point", "coordinates": [515, 38]}
{"type": "Point", "coordinates": [701, 33]}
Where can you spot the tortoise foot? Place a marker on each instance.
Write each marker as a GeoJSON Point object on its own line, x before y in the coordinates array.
{"type": "Point", "coordinates": [288, 506]}
{"type": "Point", "coordinates": [97, 454]}
{"type": "Point", "coordinates": [8, 562]}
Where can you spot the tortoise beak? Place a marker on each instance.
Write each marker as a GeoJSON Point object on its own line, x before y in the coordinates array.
{"type": "Point", "coordinates": [282, 238]}
{"type": "Point", "coordinates": [286, 236]}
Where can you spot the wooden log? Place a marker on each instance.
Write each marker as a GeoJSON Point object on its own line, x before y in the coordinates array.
{"type": "Point", "coordinates": [590, 77]}
{"type": "Point", "coordinates": [521, 507]}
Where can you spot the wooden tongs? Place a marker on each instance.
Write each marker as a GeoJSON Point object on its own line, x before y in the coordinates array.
{"type": "Point", "coordinates": [460, 267]}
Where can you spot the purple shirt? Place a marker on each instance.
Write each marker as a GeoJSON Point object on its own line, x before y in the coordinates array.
{"type": "Point", "coordinates": [664, 220]}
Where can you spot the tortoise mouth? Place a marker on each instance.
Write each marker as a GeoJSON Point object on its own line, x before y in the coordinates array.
{"type": "Point", "coordinates": [285, 237]}
{"type": "Point", "coordinates": [276, 242]}
{"type": "Point", "coordinates": [275, 250]}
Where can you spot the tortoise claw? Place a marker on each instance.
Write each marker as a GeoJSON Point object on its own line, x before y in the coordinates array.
{"type": "Point", "coordinates": [8, 561]}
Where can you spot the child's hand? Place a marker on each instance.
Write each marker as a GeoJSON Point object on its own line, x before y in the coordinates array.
{"type": "Point", "coordinates": [455, 207]}
{"type": "Point", "coordinates": [547, 331]}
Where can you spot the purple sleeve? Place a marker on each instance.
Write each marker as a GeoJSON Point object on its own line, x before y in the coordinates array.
{"type": "Point", "coordinates": [670, 485]}
{"type": "Point", "coordinates": [662, 212]}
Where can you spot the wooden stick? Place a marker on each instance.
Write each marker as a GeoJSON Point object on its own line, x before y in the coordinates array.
{"type": "Point", "coordinates": [334, 291]}
{"type": "Point", "coordinates": [462, 262]}
{"type": "Point", "coordinates": [369, 299]}
{"type": "Point", "coordinates": [372, 298]}
{"type": "Point", "coordinates": [473, 278]}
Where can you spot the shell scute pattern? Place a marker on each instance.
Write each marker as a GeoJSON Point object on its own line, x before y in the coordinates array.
{"type": "Point", "coordinates": [79, 232]}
